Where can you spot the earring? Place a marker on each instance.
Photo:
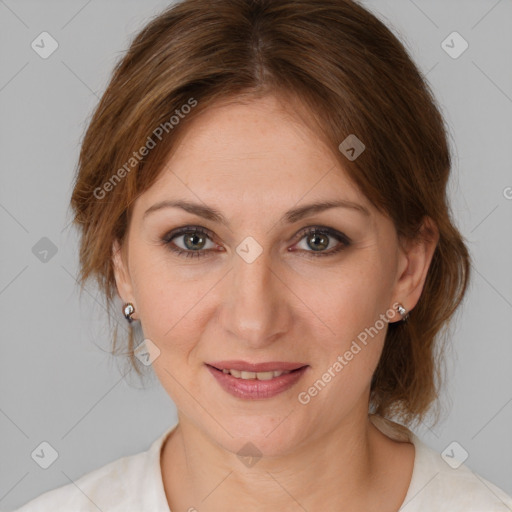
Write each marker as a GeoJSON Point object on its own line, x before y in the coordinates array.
{"type": "Point", "coordinates": [128, 310]}
{"type": "Point", "coordinates": [403, 312]}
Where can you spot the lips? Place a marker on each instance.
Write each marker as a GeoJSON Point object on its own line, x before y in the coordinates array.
{"type": "Point", "coordinates": [244, 366]}
{"type": "Point", "coordinates": [256, 380]}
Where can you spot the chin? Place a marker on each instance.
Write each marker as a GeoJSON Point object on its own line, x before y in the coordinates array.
{"type": "Point", "coordinates": [260, 435]}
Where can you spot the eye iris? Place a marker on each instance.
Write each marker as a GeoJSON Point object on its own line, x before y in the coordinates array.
{"type": "Point", "coordinates": [318, 237]}
{"type": "Point", "coordinates": [191, 238]}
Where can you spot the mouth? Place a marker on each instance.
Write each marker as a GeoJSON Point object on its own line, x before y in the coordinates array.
{"type": "Point", "coordinates": [256, 380]}
{"type": "Point", "coordinates": [260, 371]}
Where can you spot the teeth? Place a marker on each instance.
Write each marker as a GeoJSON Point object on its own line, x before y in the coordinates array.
{"type": "Point", "coordinates": [255, 375]}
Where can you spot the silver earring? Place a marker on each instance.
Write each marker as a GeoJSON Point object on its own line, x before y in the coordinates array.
{"type": "Point", "coordinates": [128, 310]}
{"type": "Point", "coordinates": [403, 312]}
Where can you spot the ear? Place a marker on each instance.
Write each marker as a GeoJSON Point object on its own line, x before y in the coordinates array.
{"type": "Point", "coordinates": [122, 276]}
{"type": "Point", "coordinates": [415, 257]}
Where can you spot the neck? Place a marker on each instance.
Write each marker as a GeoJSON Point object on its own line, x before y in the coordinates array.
{"type": "Point", "coordinates": [346, 465]}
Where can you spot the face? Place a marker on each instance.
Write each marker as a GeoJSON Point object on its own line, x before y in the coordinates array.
{"type": "Point", "coordinates": [260, 285]}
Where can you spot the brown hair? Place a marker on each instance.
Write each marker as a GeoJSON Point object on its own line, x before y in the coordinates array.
{"type": "Point", "coordinates": [353, 76]}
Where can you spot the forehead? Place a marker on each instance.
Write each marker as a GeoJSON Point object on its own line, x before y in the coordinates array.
{"type": "Point", "coordinates": [259, 152]}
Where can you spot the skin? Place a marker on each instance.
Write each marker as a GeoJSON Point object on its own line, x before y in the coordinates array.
{"type": "Point", "coordinates": [253, 162]}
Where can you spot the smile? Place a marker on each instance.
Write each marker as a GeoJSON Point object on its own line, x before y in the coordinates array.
{"type": "Point", "coordinates": [252, 385]}
{"type": "Point", "coordinates": [255, 375]}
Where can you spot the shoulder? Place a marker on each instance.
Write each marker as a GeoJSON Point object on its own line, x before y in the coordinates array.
{"type": "Point", "coordinates": [128, 483]}
{"type": "Point", "coordinates": [441, 483]}
{"type": "Point", "coordinates": [98, 490]}
{"type": "Point", "coordinates": [444, 484]}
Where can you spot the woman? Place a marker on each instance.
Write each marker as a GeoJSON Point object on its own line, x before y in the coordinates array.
{"type": "Point", "coordinates": [263, 185]}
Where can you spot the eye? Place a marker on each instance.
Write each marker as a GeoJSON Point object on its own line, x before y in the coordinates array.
{"type": "Point", "coordinates": [193, 239]}
{"type": "Point", "coordinates": [317, 238]}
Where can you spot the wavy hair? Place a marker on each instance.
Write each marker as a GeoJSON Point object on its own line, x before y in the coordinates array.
{"type": "Point", "coordinates": [353, 76]}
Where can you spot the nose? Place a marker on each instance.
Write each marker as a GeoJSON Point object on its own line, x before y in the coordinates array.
{"type": "Point", "coordinates": [255, 311]}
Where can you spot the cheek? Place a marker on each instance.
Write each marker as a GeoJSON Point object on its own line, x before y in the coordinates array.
{"type": "Point", "coordinates": [166, 302]}
{"type": "Point", "coordinates": [353, 313]}
{"type": "Point", "coordinates": [333, 306]}
{"type": "Point", "coordinates": [348, 299]}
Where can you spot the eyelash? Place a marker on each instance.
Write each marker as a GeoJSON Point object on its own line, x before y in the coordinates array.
{"type": "Point", "coordinates": [340, 237]}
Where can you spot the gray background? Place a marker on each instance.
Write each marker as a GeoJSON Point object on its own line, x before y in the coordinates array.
{"type": "Point", "coordinates": [57, 382]}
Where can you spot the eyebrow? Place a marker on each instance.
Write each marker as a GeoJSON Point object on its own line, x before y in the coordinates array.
{"type": "Point", "coordinates": [290, 216]}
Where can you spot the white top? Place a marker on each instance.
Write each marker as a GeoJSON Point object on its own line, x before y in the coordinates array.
{"type": "Point", "coordinates": [134, 483]}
